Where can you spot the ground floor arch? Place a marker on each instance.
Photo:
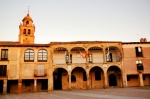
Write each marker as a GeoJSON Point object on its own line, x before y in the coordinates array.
{"type": "Point", "coordinates": [78, 78]}
{"type": "Point", "coordinates": [114, 76]}
{"type": "Point", "coordinates": [96, 76]}
{"type": "Point", "coordinates": [60, 79]}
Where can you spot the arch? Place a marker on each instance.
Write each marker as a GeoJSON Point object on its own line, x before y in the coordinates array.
{"type": "Point", "coordinates": [27, 22]}
{"type": "Point", "coordinates": [60, 49]}
{"type": "Point", "coordinates": [113, 54]}
{"type": "Point", "coordinates": [42, 55]}
{"type": "Point", "coordinates": [95, 48]}
{"type": "Point", "coordinates": [60, 55]}
{"type": "Point", "coordinates": [60, 76]}
{"type": "Point", "coordinates": [80, 75]}
{"type": "Point", "coordinates": [77, 49]}
{"type": "Point", "coordinates": [96, 76]}
{"type": "Point", "coordinates": [78, 54]}
{"type": "Point", "coordinates": [114, 76]}
{"type": "Point", "coordinates": [95, 55]}
{"type": "Point", "coordinates": [29, 55]}
{"type": "Point", "coordinates": [24, 31]}
{"type": "Point", "coordinates": [114, 68]}
{"type": "Point", "coordinates": [29, 31]}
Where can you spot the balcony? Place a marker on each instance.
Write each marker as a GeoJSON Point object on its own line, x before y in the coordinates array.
{"type": "Point", "coordinates": [40, 72]}
{"type": "Point", "coordinates": [140, 67]}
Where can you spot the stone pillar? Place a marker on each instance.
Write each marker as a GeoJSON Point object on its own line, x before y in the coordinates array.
{"type": "Point", "coordinates": [5, 86]}
{"type": "Point", "coordinates": [141, 79]}
{"type": "Point", "coordinates": [35, 55]}
{"type": "Point", "coordinates": [104, 55]}
{"type": "Point", "coordinates": [35, 85]}
{"type": "Point", "coordinates": [124, 80]}
{"type": "Point", "coordinates": [69, 81]}
{"type": "Point", "coordinates": [88, 82]}
{"type": "Point", "coordinates": [68, 56]}
{"type": "Point", "coordinates": [105, 80]}
{"type": "Point", "coordinates": [50, 84]}
{"type": "Point", "coordinates": [19, 85]}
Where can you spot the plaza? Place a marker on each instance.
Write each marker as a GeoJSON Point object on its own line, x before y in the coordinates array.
{"type": "Point", "coordinates": [111, 93]}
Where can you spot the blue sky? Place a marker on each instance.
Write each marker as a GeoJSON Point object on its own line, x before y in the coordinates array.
{"type": "Point", "coordinates": [77, 20]}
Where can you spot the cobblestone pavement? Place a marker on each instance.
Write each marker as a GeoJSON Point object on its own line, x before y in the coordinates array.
{"type": "Point", "coordinates": [111, 93]}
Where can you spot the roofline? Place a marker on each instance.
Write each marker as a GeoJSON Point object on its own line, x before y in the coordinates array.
{"type": "Point", "coordinates": [83, 42]}
{"type": "Point", "coordinates": [18, 44]}
{"type": "Point", "coordinates": [135, 42]}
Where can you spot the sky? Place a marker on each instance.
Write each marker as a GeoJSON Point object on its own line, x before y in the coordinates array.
{"type": "Point", "coordinates": [77, 20]}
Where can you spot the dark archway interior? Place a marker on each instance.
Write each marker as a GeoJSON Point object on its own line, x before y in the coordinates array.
{"type": "Point", "coordinates": [1, 86]}
{"type": "Point", "coordinates": [112, 80]}
{"type": "Point", "coordinates": [57, 78]}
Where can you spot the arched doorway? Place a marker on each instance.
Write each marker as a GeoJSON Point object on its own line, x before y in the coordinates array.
{"type": "Point", "coordinates": [78, 78]}
{"type": "Point", "coordinates": [59, 78]}
{"type": "Point", "coordinates": [96, 75]}
{"type": "Point", "coordinates": [112, 80]}
{"type": "Point", "coordinates": [114, 76]}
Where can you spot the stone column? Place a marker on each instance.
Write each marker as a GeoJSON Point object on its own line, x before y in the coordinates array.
{"type": "Point", "coordinates": [141, 79]}
{"type": "Point", "coordinates": [105, 80]}
{"type": "Point", "coordinates": [50, 84]}
{"type": "Point", "coordinates": [19, 85]}
{"type": "Point", "coordinates": [124, 80]}
{"type": "Point", "coordinates": [5, 86]}
{"type": "Point", "coordinates": [68, 56]}
{"type": "Point", "coordinates": [35, 55]}
{"type": "Point", "coordinates": [69, 81]}
{"type": "Point", "coordinates": [35, 85]}
{"type": "Point", "coordinates": [104, 55]}
{"type": "Point", "coordinates": [88, 82]}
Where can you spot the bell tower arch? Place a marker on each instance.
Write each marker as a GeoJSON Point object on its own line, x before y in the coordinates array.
{"type": "Point", "coordinates": [27, 29]}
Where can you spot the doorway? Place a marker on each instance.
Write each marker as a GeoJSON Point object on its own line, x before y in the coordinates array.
{"type": "Point", "coordinates": [1, 86]}
{"type": "Point", "coordinates": [112, 80]}
{"type": "Point", "coordinates": [57, 78]}
{"type": "Point", "coordinates": [44, 84]}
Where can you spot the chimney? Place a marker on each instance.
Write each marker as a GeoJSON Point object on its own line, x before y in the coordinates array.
{"type": "Point", "coordinates": [143, 40]}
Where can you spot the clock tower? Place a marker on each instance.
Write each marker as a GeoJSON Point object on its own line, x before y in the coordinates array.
{"type": "Point", "coordinates": [27, 29]}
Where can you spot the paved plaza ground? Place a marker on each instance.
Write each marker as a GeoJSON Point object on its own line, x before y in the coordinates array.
{"type": "Point", "coordinates": [110, 93]}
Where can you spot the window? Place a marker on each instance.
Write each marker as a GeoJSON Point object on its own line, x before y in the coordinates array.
{"type": "Point", "coordinates": [138, 51]}
{"type": "Point", "coordinates": [40, 71]}
{"type": "Point", "coordinates": [139, 65]}
{"type": "Point", "coordinates": [3, 70]}
{"type": "Point", "coordinates": [90, 58]}
{"type": "Point", "coordinates": [73, 78]}
{"type": "Point", "coordinates": [27, 83]}
{"type": "Point", "coordinates": [84, 76]}
{"type": "Point", "coordinates": [97, 75]}
{"type": "Point", "coordinates": [128, 78]}
{"type": "Point", "coordinates": [4, 54]}
{"type": "Point", "coordinates": [29, 32]}
{"type": "Point", "coordinates": [67, 57]}
{"type": "Point", "coordinates": [143, 77]}
{"type": "Point", "coordinates": [24, 32]}
{"type": "Point", "coordinates": [70, 58]}
{"type": "Point", "coordinates": [27, 23]}
{"type": "Point", "coordinates": [42, 56]}
{"type": "Point", "coordinates": [29, 55]}
{"type": "Point", "coordinates": [109, 57]}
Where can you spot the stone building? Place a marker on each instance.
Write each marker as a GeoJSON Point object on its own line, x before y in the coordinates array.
{"type": "Point", "coordinates": [29, 67]}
